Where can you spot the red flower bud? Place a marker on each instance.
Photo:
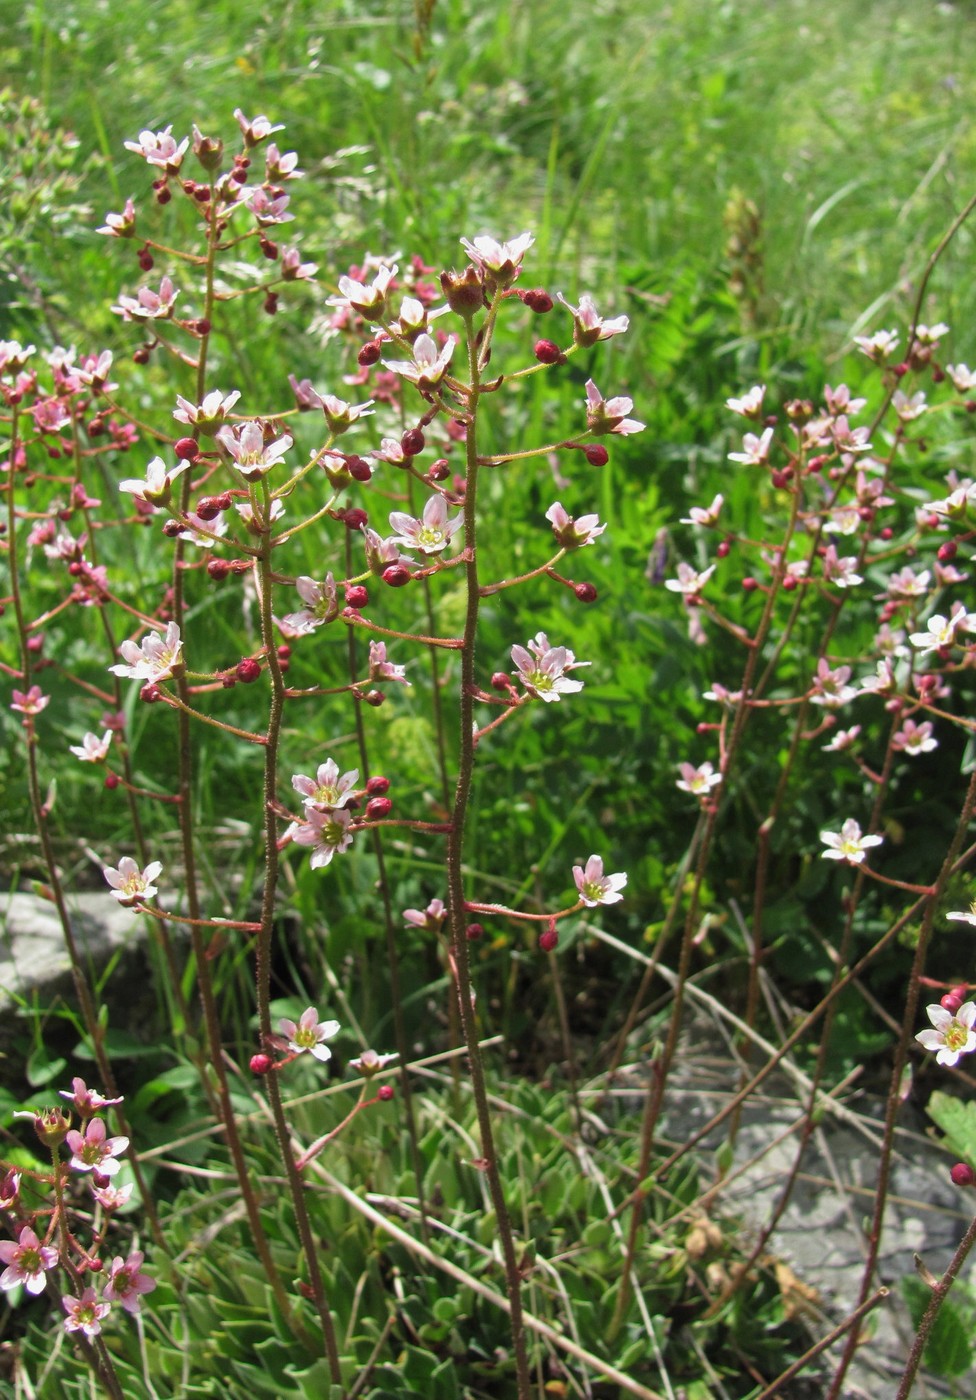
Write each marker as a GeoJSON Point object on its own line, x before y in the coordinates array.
{"type": "Point", "coordinates": [537, 300]}
{"type": "Point", "coordinates": [375, 698]}
{"type": "Point", "coordinates": [358, 468]}
{"type": "Point", "coordinates": [749, 585]}
{"type": "Point", "coordinates": [284, 651]}
{"type": "Point", "coordinates": [355, 519]}
{"type": "Point", "coordinates": [171, 529]}
{"type": "Point", "coordinates": [209, 507]}
{"type": "Point", "coordinates": [150, 692]}
{"type": "Point", "coordinates": [586, 592]}
{"type": "Point", "coordinates": [950, 1002]}
{"type": "Point", "coordinates": [500, 681]}
{"type": "Point", "coordinates": [377, 786]}
{"type": "Point", "coordinates": [111, 781]}
{"type": "Point", "coordinates": [722, 549]}
{"type": "Point", "coordinates": [385, 1092]}
{"type": "Point", "coordinates": [370, 353]}
{"type": "Point", "coordinates": [413, 442]}
{"type": "Point", "coordinates": [396, 575]}
{"type": "Point", "coordinates": [962, 1174]}
{"type": "Point", "coordinates": [596, 454]}
{"type": "Point", "coordinates": [218, 568]}
{"type": "Point", "coordinates": [548, 353]}
{"type": "Point", "coordinates": [260, 1064]}
{"type": "Point", "coordinates": [947, 551]}
{"type": "Point", "coordinates": [248, 670]}
{"type": "Point", "coordinates": [357, 596]}
{"type": "Point", "coordinates": [271, 303]}
{"type": "Point", "coordinates": [473, 932]}
{"type": "Point", "coordinates": [377, 808]}
{"type": "Point", "coordinates": [187, 450]}
{"type": "Point", "coordinates": [548, 940]}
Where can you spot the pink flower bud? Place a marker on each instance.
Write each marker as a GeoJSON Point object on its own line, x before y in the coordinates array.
{"type": "Point", "coordinates": [549, 939]}
{"type": "Point", "coordinates": [749, 585]}
{"type": "Point", "coordinates": [187, 450]}
{"type": "Point", "coordinates": [150, 693]}
{"type": "Point", "coordinates": [357, 596]}
{"type": "Point", "coordinates": [962, 1174]}
{"type": "Point", "coordinates": [111, 781]}
{"type": "Point", "coordinates": [385, 1092]}
{"type": "Point", "coordinates": [473, 932]}
{"type": "Point", "coordinates": [500, 681]}
{"type": "Point", "coordinates": [376, 787]}
{"type": "Point", "coordinates": [951, 1002]}
{"type": "Point", "coordinates": [947, 551]}
{"type": "Point", "coordinates": [370, 353]}
{"type": "Point", "coordinates": [260, 1064]}
{"type": "Point", "coordinates": [440, 470]}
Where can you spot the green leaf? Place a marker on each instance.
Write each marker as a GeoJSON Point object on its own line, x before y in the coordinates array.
{"type": "Point", "coordinates": [957, 1119]}
{"type": "Point", "coordinates": [948, 1351]}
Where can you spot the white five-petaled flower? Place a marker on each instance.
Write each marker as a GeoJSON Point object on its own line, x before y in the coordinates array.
{"type": "Point", "coordinates": [588, 325]}
{"type": "Point", "coordinates": [499, 263]}
{"type": "Point", "coordinates": [327, 791]}
{"type": "Point", "coordinates": [130, 885]}
{"type": "Point", "coordinates": [27, 1260]}
{"type": "Point", "coordinates": [94, 1150]}
{"type": "Point", "coordinates": [850, 845]}
{"type": "Point", "coordinates": [689, 581]}
{"type": "Point", "coordinates": [431, 533]}
{"type": "Point", "coordinates": [209, 415]}
{"type": "Point", "coordinates": [154, 660]}
{"type": "Point", "coordinates": [750, 405]}
{"type": "Point", "coordinates": [154, 489]}
{"type": "Point", "coordinates": [964, 918]}
{"type": "Point", "coordinates": [93, 749]}
{"type": "Point", "coordinates": [877, 347]}
{"type": "Point", "coordinates": [160, 148]}
{"type": "Point", "coordinates": [843, 739]}
{"type": "Point", "coordinates": [309, 1034]}
{"type": "Point", "coordinates": [428, 366]}
{"type": "Point", "coordinates": [542, 669]}
{"type": "Point", "coordinates": [942, 630]}
{"type": "Point", "coordinates": [246, 445]}
{"type": "Point", "coordinates": [369, 301]}
{"type": "Point", "coordinates": [952, 1035]}
{"type": "Point", "coordinates": [755, 450]}
{"type": "Point", "coordinates": [595, 887]}
{"type": "Point", "coordinates": [570, 533]}
{"type": "Point", "coordinates": [120, 225]}
{"type": "Point", "coordinates": [907, 407]}
{"type": "Point", "coordinates": [609, 415]}
{"type": "Point", "coordinates": [698, 781]}
{"type": "Point", "coordinates": [320, 607]}
{"type": "Point", "coordinates": [963, 378]}
{"type": "Point", "coordinates": [326, 832]}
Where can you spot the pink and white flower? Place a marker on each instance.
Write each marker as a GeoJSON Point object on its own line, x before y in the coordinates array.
{"type": "Point", "coordinates": [755, 450]}
{"type": "Point", "coordinates": [320, 607]}
{"type": "Point", "coordinates": [93, 749]}
{"type": "Point", "coordinates": [849, 845]}
{"type": "Point", "coordinates": [86, 1101]}
{"type": "Point", "coordinates": [155, 489]}
{"type": "Point", "coordinates": [570, 533]}
{"type": "Point", "coordinates": [877, 347]}
{"type": "Point", "coordinates": [609, 415]}
{"type": "Point", "coordinates": [432, 533]}
{"type": "Point", "coordinates": [698, 781]}
{"type": "Point", "coordinates": [706, 517]}
{"type": "Point", "coordinates": [120, 225]}
{"type": "Point", "coordinates": [952, 1035]}
{"type": "Point", "coordinates": [130, 885]}
{"type": "Point", "coordinates": [941, 631]}
{"type": "Point", "coordinates": [252, 457]}
{"type": "Point", "coordinates": [431, 919]}
{"type": "Point", "coordinates": [750, 405]}
{"type": "Point", "coordinates": [160, 148]}
{"type": "Point", "coordinates": [914, 738]}
{"type": "Point", "coordinates": [588, 325]}
{"type": "Point", "coordinates": [595, 887]}
{"type": "Point", "coordinates": [126, 1283]}
{"type": "Point", "coordinates": [843, 739]}
{"type": "Point", "coordinates": [689, 581]}
{"type": "Point", "coordinates": [499, 263]}
{"type": "Point", "coordinates": [209, 415]}
{"type": "Point", "coordinates": [27, 1262]}
{"type": "Point", "coordinates": [326, 832]}
{"type": "Point", "coordinates": [155, 660]}
{"type": "Point", "coordinates": [382, 670]}
{"type": "Point", "coordinates": [428, 366]}
{"type": "Point", "coordinates": [256, 129]}
{"type": "Point", "coordinates": [327, 791]}
{"type": "Point", "coordinates": [94, 1150]}
{"type": "Point", "coordinates": [369, 301]}
{"type": "Point", "coordinates": [542, 669]}
{"type": "Point", "coordinates": [85, 1314]}
{"type": "Point", "coordinates": [30, 702]}
{"type": "Point", "coordinates": [309, 1034]}
{"type": "Point", "coordinates": [148, 305]}
{"type": "Point", "coordinates": [829, 687]}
